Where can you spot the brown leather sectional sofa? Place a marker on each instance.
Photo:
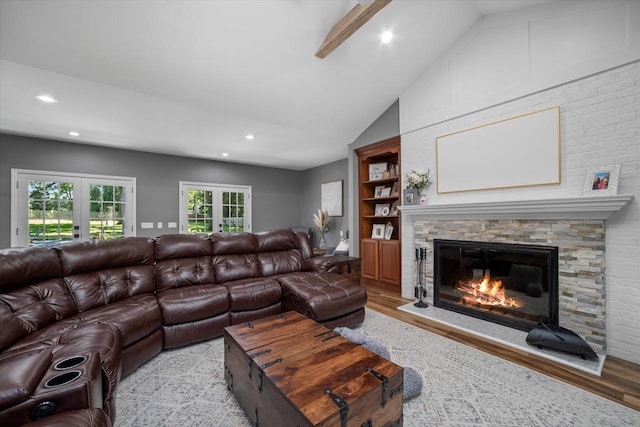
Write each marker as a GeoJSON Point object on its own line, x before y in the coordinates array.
{"type": "Point", "coordinates": [77, 317]}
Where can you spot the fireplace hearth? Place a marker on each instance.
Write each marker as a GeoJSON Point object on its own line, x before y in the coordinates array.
{"type": "Point", "coordinates": [510, 284]}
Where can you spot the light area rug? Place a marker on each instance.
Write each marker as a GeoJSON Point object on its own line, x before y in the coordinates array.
{"type": "Point", "coordinates": [503, 334]}
{"type": "Point", "coordinates": [462, 387]}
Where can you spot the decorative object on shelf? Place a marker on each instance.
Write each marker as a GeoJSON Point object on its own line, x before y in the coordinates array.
{"type": "Point", "coordinates": [321, 220]}
{"type": "Point", "coordinates": [378, 191]}
{"type": "Point", "coordinates": [601, 181]}
{"type": "Point", "coordinates": [388, 230]}
{"type": "Point", "coordinates": [382, 209]}
{"type": "Point", "coordinates": [386, 192]}
{"type": "Point", "coordinates": [420, 289]}
{"type": "Point", "coordinates": [377, 170]}
{"type": "Point", "coordinates": [419, 180]}
{"type": "Point", "coordinates": [410, 197]}
{"type": "Point", "coordinates": [377, 231]}
{"type": "Point", "coordinates": [395, 190]}
{"type": "Point", "coordinates": [394, 209]}
{"type": "Point", "coordinates": [423, 199]}
{"type": "Point", "coordinates": [331, 197]}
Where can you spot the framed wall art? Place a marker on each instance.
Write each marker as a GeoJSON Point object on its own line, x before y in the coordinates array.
{"type": "Point", "coordinates": [515, 152]}
{"type": "Point", "coordinates": [331, 197]}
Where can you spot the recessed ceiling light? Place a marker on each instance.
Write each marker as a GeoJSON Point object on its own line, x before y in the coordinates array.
{"type": "Point", "coordinates": [249, 137]}
{"type": "Point", "coordinates": [74, 133]}
{"type": "Point", "coordinates": [48, 99]}
{"type": "Point", "coordinates": [386, 37]}
{"type": "Point", "coordinates": [225, 154]}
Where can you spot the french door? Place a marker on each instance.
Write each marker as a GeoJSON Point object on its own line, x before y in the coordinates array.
{"type": "Point", "coordinates": [50, 208]}
{"type": "Point", "coordinates": [208, 208]}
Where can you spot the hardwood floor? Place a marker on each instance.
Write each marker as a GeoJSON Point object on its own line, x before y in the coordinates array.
{"type": "Point", "coordinates": [620, 380]}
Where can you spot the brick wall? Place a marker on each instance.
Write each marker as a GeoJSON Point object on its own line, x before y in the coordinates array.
{"type": "Point", "coordinates": [599, 125]}
{"type": "Point", "coordinates": [581, 269]}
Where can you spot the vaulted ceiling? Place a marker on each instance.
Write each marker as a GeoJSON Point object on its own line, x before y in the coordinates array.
{"type": "Point", "coordinates": [193, 78]}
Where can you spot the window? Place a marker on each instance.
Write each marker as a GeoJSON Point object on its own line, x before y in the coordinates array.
{"type": "Point", "coordinates": [50, 208]}
{"type": "Point", "coordinates": [208, 208]}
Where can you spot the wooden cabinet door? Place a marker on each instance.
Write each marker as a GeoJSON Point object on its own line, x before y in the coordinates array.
{"type": "Point", "coordinates": [389, 262]}
{"type": "Point", "coordinates": [369, 255]}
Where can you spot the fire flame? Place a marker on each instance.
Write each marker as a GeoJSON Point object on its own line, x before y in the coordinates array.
{"type": "Point", "coordinates": [486, 292]}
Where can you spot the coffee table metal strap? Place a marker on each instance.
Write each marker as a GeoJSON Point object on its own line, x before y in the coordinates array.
{"type": "Point", "coordinates": [385, 384]}
{"type": "Point", "coordinates": [342, 405]}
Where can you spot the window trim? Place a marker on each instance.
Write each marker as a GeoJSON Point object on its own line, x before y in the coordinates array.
{"type": "Point", "coordinates": [182, 205]}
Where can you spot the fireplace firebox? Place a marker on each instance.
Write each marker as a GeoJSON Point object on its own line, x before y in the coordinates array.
{"type": "Point", "coordinates": [510, 284]}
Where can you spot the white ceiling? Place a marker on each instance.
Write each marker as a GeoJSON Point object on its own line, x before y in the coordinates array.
{"type": "Point", "coordinates": [192, 78]}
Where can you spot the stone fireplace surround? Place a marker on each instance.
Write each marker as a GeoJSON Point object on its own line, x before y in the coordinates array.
{"type": "Point", "coordinates": [575, 225]}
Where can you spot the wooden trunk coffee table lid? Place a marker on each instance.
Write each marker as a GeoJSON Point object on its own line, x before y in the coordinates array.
{"type": "Point", "coordinates": [328, 379]}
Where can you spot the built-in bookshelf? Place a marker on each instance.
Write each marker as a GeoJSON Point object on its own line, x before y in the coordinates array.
{"type": "Point", "coordinates": [379, 196]}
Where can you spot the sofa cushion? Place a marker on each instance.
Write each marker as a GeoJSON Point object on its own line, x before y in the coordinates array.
{"type": "Point", "coordinates": [21, 372]}
{"type": "Point", "coordinates": [172, 246]}
{"type": "Point", "coordinates": [103, 272]}
{"type": "Point", "coordinates": [20, 267]}
{"type": "Point", "coordinates": [235, 267]}
{"type": "Point", "coordinates": [176, 273]}
{"type": "Point", "coordinates": [90, 256]}
{"type": "Point", "coordinates": [191, 303]}
{"type": "Point", "coordinates": [183, 260]}
{"type": "Point", "coordinates": [278, 252]}
{"type": "Point", "coordinates": [252, 294]}
{"type": "Point", "coordinates": [24, 311]}
{"type": "Point", "coordinates": [135, 317]}
{"type": "Point", "coordinates": [234, 256]}
{"type": "Point", "coordinates": [233, 243]}
{"type": "Point", "coordinates": [321, 296]}
{"type": "Point", "coordinates": [100, 288]}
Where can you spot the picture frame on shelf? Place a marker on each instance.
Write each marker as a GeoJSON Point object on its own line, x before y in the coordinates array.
{"type": "Point", "coordinates": [410, 197]}
{"type": "Point", "coordinates": [601, 181]}
{"type": "Point", "coordinates": [392, 170]}
{"type": "Point", "coordinates": [377, 170]}
{"type": "Point", "coordinates": [395, 189]}
{"type": "Point", "coordinates": [386, 192]}
{"type": "Point", "coordinates": [388, 230]}
{"type": "Point", "coordinates": [377, 231]}
{"type": "Point", "coordinates": [378, 191]}
{"type": "Point", "coordinates": [382, 209]}
{"type": "Point", "coordinates": [394, 211]}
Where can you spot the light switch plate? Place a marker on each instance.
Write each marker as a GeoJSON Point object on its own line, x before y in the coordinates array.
{"type": "Point", "coordinates": [146, 225]}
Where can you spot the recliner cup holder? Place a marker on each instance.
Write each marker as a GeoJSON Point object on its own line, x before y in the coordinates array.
{"type": "Point", "coordinates": [62, 379]}
{"type": "Point", "coordinates": [69, 362]}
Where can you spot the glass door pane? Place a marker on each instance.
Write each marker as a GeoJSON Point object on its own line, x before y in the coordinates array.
{"type": "Point", "coordinates": [200, 208]}
{"type": "Point", "coordinates": [233, 209]}
{"type": "Point", "coordinates": [51, 219]}
{"type": "Point", "coordinates": [107, 211]}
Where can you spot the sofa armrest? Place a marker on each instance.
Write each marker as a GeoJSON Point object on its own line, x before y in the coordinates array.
{"type": "Point", "coordinates": [345, 265]}
{"type": "Point", "coordinates": [319, 263]}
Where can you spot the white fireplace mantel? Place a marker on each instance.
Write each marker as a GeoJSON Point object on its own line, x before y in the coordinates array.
{"type": "Point", "coordinates": [599, 207]}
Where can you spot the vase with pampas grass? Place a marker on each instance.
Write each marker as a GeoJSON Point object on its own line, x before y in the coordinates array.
{"type": "Point", "coordinates": [321, 220]}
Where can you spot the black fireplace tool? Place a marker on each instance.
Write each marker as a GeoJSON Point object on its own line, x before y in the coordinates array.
{"type": "Point", "coordinates": [420, 289]}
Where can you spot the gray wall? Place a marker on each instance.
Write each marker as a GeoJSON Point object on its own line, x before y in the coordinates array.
{"type": "Point", "coordinates": [281, 198]}
{"type": "Point", "coordinates": [310, 199]}
{"type": "Point", "coordinates": [276, 192]}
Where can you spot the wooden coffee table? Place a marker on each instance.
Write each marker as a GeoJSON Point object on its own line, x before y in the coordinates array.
{"type": "Point", "coordinates": [288, 370]}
